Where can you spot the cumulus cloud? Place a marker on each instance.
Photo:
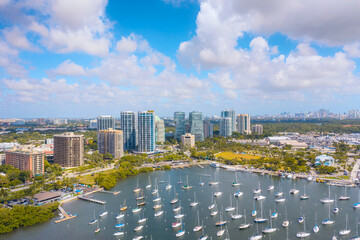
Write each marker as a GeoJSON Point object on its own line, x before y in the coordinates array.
{"type": "Point", "coordinates": [68, 68]}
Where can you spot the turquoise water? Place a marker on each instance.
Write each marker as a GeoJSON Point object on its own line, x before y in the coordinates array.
{"type": "Point", "coordinates": [160, 227]}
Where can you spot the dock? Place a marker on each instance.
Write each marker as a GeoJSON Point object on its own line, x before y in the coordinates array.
{"type": "Point", "coordinates": [115, 193]}
{"type": "Point", "coordinates": [92, 200]}
{"type": "Point", "coordinates": [65, 214]}
{"type": "Point", "coordinates": [200, 166]}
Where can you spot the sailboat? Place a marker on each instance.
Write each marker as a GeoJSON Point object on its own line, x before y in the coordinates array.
{"type": "Point", "coordinates": [336, 209]}
{"type": "Point", "coordinates": [179, 215]}
{"type": "Point", "coordinates": [142, 219]}
{"type": "Point", "coordinates": [279, 193]}
{"type": "Point", "coordinates": [345, 231]}
{"type": "Point", "coordinates": [304, 196]}
{"type": "Point", "coordinates": [159, 212]}
{"type": "Point", "coordinates": [203, 236]}
{"type": "Point", "coordinates": [220, 232]}
{"type": "Point", "coordinates": [175, 199]}
{"type": "Point", "coordinates": [141, 197]}
{"type": "Point", "coordinates": [136, 210]}
{"type": "Point", "coordinates": [137, 189]}
{"type": "Point", "coordinates": [254, 212]}
{"type": "Point", "coordinates": [328, 199]}
{"type": "Point", "coordinates": [271, 187]}
{"type": "Point", "coordinates": [285, 223]}
{"type": "Point", "coordinates": [218, 193]}
{"type": "Point", "coordinates": [259, 197]}
{"type": "Point", "coordinates": [168, 187]}
{"type": "Point", "coordinates": [97, 230]}
{"type": "Point", "coordinates": [303, 234]}
{"type": "Point", "coordinates": [236, 183]}
{"type": "Point", "coordinates": [328, 221]}
{"type": "Point", "coordinates": [195, 202]}
{"type": "Point", "coordinates": [316, 228]}
{"type": "Point", "coordinates": [221, 222]}
{"type": "Point", "coordinates": [357, 237]}
{"type": "Point", "coordinates": [201, 183]}
{"type": "Point", "coordinates": [212, 183]}
{"type": "Point", "coordinates": [244, 225]}
{"type": "Point", "coordinates": [238, 193]}
{"type": "Point", "coordinates": [198, 227]}
{"type": "Point", "coordinates": [294, 190]}
{"type": "Point", "coordinates": [236, 215]}
{"type": "Point", "coordinates": [124, 207]}
{"type": "Point", "coordinates": [344, 197]}
{"type": "Point", "coordinates": [260, 219]}
{"type": "Point", "coordinates": [301, 219]}
{"type": "Point", "coordinates": [258, 189]}
{"type": "Point", "coordinates": [117, 234]}
{"type": "Point", "coordinates": [258, 235]}
{"type": "Point", "coordinates": [215, 211]}
{"type": "Point", "coordinates": [181, 232]}
{"type": "Point", "coordinates": [138, 238]}
{"type": "Point", "coordinates": [211, 206]}
{"type": "Point", "coordinates": [270, 229]}
{"type": "Point", "coordinates": [149, 185]}
{"type": "Point", "coordinates": [119, 216]}
{"type": "Point", "coordinates": [138, 228]}
{"type": "Point", "coordinates": [227, 236]}
{"type": "Point", "coordinates": [357, 205]}
{"type": "Point", "coordinates": [180, 182]}
{"type": "Point", "coordinates": [94, 220]}
{"type": "Point", "coordinates": [157, 198]}
{"type": "Point", "coordinates": [187, 186]}
{"type": "Point", "coordinates": [230, 208]}
{"type": "Point", "coordinates": [104, 213]}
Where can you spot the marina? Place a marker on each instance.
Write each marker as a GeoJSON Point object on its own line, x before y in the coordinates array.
{"type": "Point", "coordinates": [182, 222]}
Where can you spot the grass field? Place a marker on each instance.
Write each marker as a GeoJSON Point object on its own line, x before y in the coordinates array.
{"type": "Point", "coordinates": [90, 178]}
{"type": "Point", "coordinates": [231, 155]}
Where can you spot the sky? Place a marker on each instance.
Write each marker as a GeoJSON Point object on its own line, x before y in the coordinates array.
{"type": "Point", "coordinates": [84, 58]}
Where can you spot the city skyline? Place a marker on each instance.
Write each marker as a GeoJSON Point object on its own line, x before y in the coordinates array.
{"type": "Point", "coordinates": [208, 55]}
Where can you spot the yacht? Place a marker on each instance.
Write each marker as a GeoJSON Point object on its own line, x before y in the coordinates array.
{"type": "Point", "coordinates": [238, 193]}
{"type": "Point", "coordinates": [303, 234]}
{"type": "Point", "coordinates": [137, 189]}
{"type": "Point", "coordinates": [187, 186]}
{"type": "Point", "coordinates": [328, 199]}
{"type": "Point", "coordinates": [168, 187]}
{"type": "Point", "coordinates": [236, 183]}
{"type": "Point", "coordinates": [119, 216]}
{"type": "Point", "coordinates": [230, 208]}
{"type": "Point", "coordinates": [198, 227]}
{"type": "Point", "coordinates": [138, 237]}
{"type": "Point", "coordinates": [260, 219]}
{"type": "Point", "coordinates": [328, 221]}
{"type": "Point", "coordinates": [124, 207]}
{"type": "Point", "coordinates": [117, 234]}
{"type": "Point", "coordinates": [236, 215]}
{"type": "Point", "coordinates": [93, 221]}
{"type": "Point", "coordinates": [316, 228]}
{"type": "Point", "coordinates": [136, 210]}
{"type": "Point", "coordinates": [244, 225]}
{"type": "Point", "coordinates": [181, 232]}
{"type": "Point", "coordinates": [344, 197]}
{"type": "Point", "coordinates": [203, 236]}
{"type": "Point", "coordinates": [104, 213]}
{"type": "Point", "coordinates": [220, 232]}
{"type": "Point", "coordinates": [217, 194]}
{"type": "Point", "coordinates": [280, 200]}
{"type": "Point", "coordinates": [270, 229]}
{"type": "Point", "coordinates": [258, 235]}
{"type": "Point", "coordinates": [345, 231]}
{"type": "Point", "coordinates": [221, 222]}
{"type": "Point", "coordinates": [176, 224]}
{"type": "Point", "coordinates": [336, 209]}
{"type": "Point", "coordinates": [149, 185]}
{"type": "Point", "coordinates": [271, 187]}
{"type": "Point", "coordinates": [195, 202]}
{"type": "Point", "coordinates": [175, 199]}
{"type": "Point", "coordinates": [286, 222]}
{"type": "Point", "coordinates": [138, 228]}
{"type": "Point", "coordinates": [259, 197]}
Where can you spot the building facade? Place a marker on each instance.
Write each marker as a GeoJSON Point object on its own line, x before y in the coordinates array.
{"type": "Point", "coordinates": [146, 132]}
{"type": "Point", "coordinates": [179, 119]}
{"type": "Point", "coordinates": [243, 123]}
{"type": "Point", "coordinates": [196, 125]}
{"type": "Point", "coordinates": [188, 140]}
{"type": "Point", "coordinates": [69, 149]}
{"type": "Point", "coordinates": [26, 160]}
{"type": "Point", "coordinates": [258, 129]}
{"type": "Point", "coordinates": [208, 129]}
{"type": "Point", "coordinates": [129, 128]}
{"type": "Point", "coordinates": [111, 141]}
{"type": "Point", "coordinates": [105, 122]}
{"type": "Point", "coordinates": [159, 130]}
{"type": "Point", "coordinates": [93, 124]}
{"type": "Point", "coordinates": [231, 114]}
{"type": "Point", "coordinates": [225, 129]}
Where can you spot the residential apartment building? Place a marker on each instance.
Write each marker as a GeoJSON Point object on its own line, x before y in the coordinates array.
{"type": "Point", "coordinates": [243, 123]}
{"type": "Point", "coordinates": [146, 132]}
{"type": "Point", "coordinates": [111, 141]}
{"type": "Point", "coordinates": [129, 128]}
{"type": "Point", "coordinates": [26, 160]}
{"type": "Point", "coordinates": [69, 149]}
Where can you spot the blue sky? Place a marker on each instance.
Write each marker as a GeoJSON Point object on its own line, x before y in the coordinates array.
{"type": "Point", "coordinates": [83, 58]}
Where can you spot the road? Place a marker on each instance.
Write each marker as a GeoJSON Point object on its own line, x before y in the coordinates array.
{"type": "Point", "coordinates": [354, 171]}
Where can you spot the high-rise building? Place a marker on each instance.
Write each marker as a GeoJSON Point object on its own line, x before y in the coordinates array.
{"type": "Point", "coordinates": [129, 128]}
{"type": "Point", "coordinates": [258, 128]}
{"type": "Point", "coordinates": [188, 140]}
{"type": "Point", "coordinates": [243, 124]}
{"type": "Point", "coordinates": [93, 124]}
{"type": "Point", "coordinates": [69, 149]}
{"type": "Point", "coordinates": [146, 132]}
{"type": "Point", "coordinates": [225, 126]}
{"type": "Point", "coordinates": [41, 121]}
{"type": "Point", "coordinates": [111, 141]}
{"type": "Point", "coordinates": [179, 118]}
{"type": "Point", "coordinates": [208, 129]}
{"type": "Point", "coordinates": [196, 124]}
{"type": "Point", "coordinates": [26, 160]}
{"type": "Point", "coordinates": [231, 114]}
{"type": "Point", "coordinates": [105, 122]}
{"type": "Point", "coordinates": [159, 130]}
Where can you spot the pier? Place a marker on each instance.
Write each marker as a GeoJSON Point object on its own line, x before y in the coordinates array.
{"type": "Point", "coordinates": [92, 200]}
{"type": "Point", "coordinates": [65, 214]}
{"type": "Point", "coordinates": [200, 166]}
{"type": "Point", "coordinates": [115, 193]}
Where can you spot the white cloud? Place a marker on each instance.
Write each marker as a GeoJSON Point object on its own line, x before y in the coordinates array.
{"type": "Point", "coordinates": [17, 38]}
{"type": "Point", "coordinates": [68, 68]}
{"type": "Point", "coordinates": [353, 50]}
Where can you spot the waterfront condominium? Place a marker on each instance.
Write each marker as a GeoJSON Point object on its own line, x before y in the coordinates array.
{"type": "Point", "coordinates": [146, 132]}
{"type": "Point", "coordinates": [159, 130]}
{"type": "Point", "coordinates": [231, 114]}
{"type": "Point", "coordinates": [26, 160]}
{"type": "Point", "coordinates": [196, 125]}
{"type": "Point", "coordinates": [225, 126]}
{"type": "Point", "coordinates": [243, 123]}
{"type": "Point", "coordinates": [129, 128]}
{"type": "Point", "coordinates": [179, 119]}
{"type": "Point", "coordinates": [111, 141]}
{"type": "Point", "coordinates": [69, 149]}
{"type": "Point", "coordinates": [258, 129]}
{"type": "Point", "coordinates": [208, 129]}
{"type": "Point", "coordinates": [105, 122]}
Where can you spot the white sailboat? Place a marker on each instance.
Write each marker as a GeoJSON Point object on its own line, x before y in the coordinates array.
{"type": "Point", "coordinates": [259, 197]}
{"type": "Point", "coordinates": [271, 187]}
{"type": "Point", "coordinates": [236, 183]}
{"type": "Point", "coordinates": [254, 212]}
{"type": "Point", "coordinates": [236, 215]}
{"type": "Point", "coordinates": [279, 193]}
{"type": "Point", "coordinates": [215, 211]}
{"type": "Point", "coordinates": [203, 236]}
{"type": "Point", "coordinates": [149, 184]}
{"type": "Point", "coordinates": [316, 228]}
{"type": "Point", "coordinates": [218, 193]}
{"type": "Point", "coordinates": [156, 190]}
{"type": "Point", "coordinates": [345, 231]}
{"type": "Point", "coordinates": [231, 207]}
{"type": "Point", "coordinates": [301, 219]}
{"type": "Point", "coordinates": [269, 229]}
{"type": "Point", "coordinates": [227, 236]}
{"type": "Point", "coordinates": [286, 222]}
{"type": "Point", "coordinates": [245, 225]}
{"type": "Point", "coordinates": [142, 219]}
{"type": "Point", "coordinates": [181, 232]}
{"type": "Point", "coordinates": [187, 186]}
{"type": "Point", "coordinates": [275, 214]}
{"type": "Point", "coordinates": [94, 220]}
{"type": "Point", "coordinates": [294, 190]}
{"type": "Point", "coordinates": [258, 189]}
{"type": "Point", "coordinates": [175, 199]}
{"type": "Point", "coordinates": [195, 202]}
{"type": "Point", "coordinates": [137, 189]}
{"type": "Point", "coordinates": [336, 209]}
{"type": "Point", "coordinates": [328, 221]}
{"type": "Point", "coordinates": [344, 197]}
{"type": "Point", "coordinates": [303, 234]}
{"type": "Point", "coordinates": [260, 219]}
{"type": "Point", "coordinates": [201, 183]}
{"type": "Point", "coordinates": [356, 237]}
{"type": "Point", "coordinates": [328, 199]}
{"type": "Point", "coordinates": [211, 206]}
{"type": "Point", "coordinates": [104, 213]}
{"type": "Point", "coordinates": [168, 187]}
{"type": "Point", "coordinates": [179, 215]}
{"type": "Point", "coordinates": [220, 232]}
{"type": "Point", "coordinates": [357, 205]}
{"type": "Point", "coordinates": [304, 196]}
{"type": "Point", "coordinates": [159, 212]}
{"type": "Point", "coordinates": [198, 227]}
{"type": "Point", "coordinates": [258, 235]}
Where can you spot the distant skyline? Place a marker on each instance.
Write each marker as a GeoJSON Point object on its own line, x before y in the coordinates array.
{"type": "Point", "coordinates": [84, 58]}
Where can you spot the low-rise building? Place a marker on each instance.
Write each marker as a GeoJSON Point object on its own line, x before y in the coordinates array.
{"type": "Point", "coordinates": [293, 143]}
{"type": "Point", "coordinates": [188, 140]}
{"type": "Point", "coordinates": [324, 160]}
{"type": "Point", "coordinates": [46, 197]}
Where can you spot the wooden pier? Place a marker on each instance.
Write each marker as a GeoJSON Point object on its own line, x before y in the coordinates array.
{"type": "Point", "coordinates": [66, 216]}
{"type": "Point", "coordinates": [92, 200]}
{"type": "Point", "coordinates": [115, 193]}
{"type": "Point", "coordinates": [200, 166]}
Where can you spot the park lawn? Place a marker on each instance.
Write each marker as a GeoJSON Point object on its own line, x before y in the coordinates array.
{"type": "Point", "coordinates": [231, 155]}
{"type": "Point", "coordinates": [89, 179]}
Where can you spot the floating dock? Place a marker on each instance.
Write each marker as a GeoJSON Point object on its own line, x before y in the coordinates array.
{"type": "Point", "coordinates": [91, 200]}
{"type": "Point", "coordinates": [65, 214]}
{"type": "Point", "coordinates": [115, 193]}
{"type": "Point", "coordinates": [200, 166]}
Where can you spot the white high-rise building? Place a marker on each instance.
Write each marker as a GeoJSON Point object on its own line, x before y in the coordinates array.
{"type": "Point", "coordinates": [231, 114]}
{"type": "Point", "coordinates": [105, 122]}
{"type": "Point", "coordinates": [225, 129]}
{"type": "Point", "coordinates": [129, 128]}
{"type": "Point", "coordinates": [258, 128]}
{"type": "Point", "coordinates": [159, 130]}
{"type": "Point", "coordinates": [111, 141]}
{"type": "Point", "coordinates": [93, 124]}
{"type": "Point", "coordinates": [196, 124]}
{"type": "Point", "coordinates": [146, 132]}
{"type": "Point", "coordinates": [243, 123]}
{"type": "Point", "coordinates": [208, 129]}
